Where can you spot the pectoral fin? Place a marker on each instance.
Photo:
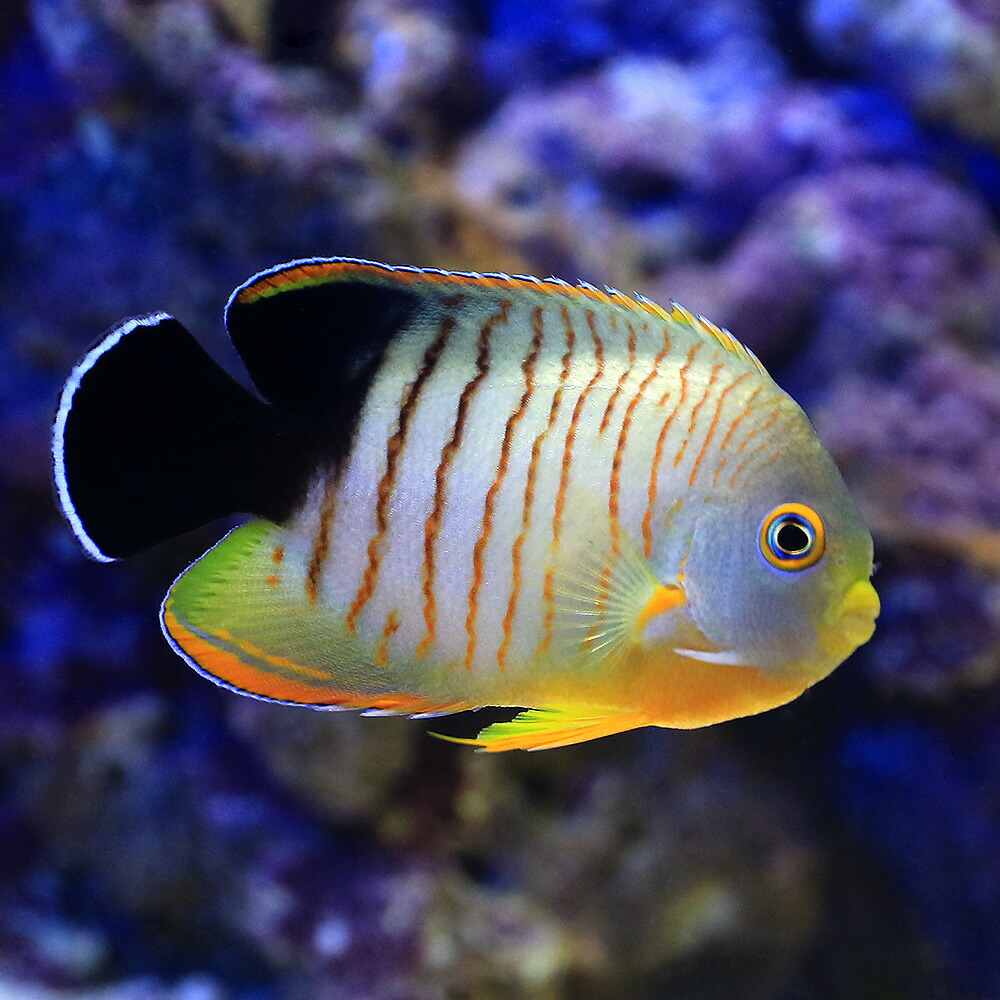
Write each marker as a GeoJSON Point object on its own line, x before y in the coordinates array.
{"type": "Point", "coordinates": [546, 728]}
{"type": "Point", "coordinates": [663, 599]}
{"type": "Point", "coordinates": [607, 600]}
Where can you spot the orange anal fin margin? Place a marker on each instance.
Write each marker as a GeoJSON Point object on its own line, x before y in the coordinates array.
{"type": "Point", "coordinates": [546, 729]}
{"type": "Point", "coordinates": [224, 660]}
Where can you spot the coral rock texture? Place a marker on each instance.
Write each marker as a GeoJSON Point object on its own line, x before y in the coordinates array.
{"type": "Point", "coordinates": [820, 177]}
{"type": "Point", "coordinates": [941, 56]}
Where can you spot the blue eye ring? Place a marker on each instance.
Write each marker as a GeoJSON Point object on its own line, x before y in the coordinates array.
{"type": "Point", "coordinates": [792, 537]}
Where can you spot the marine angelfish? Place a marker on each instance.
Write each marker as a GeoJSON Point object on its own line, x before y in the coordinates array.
{"type": "Point", "coordinates": [473, 490]}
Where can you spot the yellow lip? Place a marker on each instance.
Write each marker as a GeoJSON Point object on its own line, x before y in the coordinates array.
{"type": "Point", "coordinates": [852, 623]}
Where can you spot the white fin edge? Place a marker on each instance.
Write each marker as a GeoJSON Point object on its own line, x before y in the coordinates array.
{"type": "Point", "coordinates": [62, 414]}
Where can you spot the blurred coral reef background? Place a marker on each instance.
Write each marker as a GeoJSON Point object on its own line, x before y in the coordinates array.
{"type": "Point", "coordinates": [822, 176]}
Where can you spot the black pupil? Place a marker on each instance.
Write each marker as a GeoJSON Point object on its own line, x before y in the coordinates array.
{"type": "Point", "coordinates": [792, 538]}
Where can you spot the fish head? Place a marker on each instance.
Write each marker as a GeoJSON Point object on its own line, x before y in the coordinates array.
{"type": "Point", "coordinates": [778, 572]}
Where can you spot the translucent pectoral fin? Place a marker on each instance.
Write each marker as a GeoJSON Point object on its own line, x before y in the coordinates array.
{"type": "Point", "coordinates": [547, 728]}
{"type": "Point", "coordinates": [609, 599]}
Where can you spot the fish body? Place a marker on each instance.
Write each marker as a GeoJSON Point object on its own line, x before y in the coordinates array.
{"type": "Point", "coordinates": [477, 490]}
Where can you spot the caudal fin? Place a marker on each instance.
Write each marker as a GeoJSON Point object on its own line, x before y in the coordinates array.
{"type": "Point", "coordinates": [152, 439]}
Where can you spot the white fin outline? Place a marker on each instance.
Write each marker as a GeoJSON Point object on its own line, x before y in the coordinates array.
{"type": "Point", "coordinates": [674, 311]}
{"type": "Point", "coordinates": [69, 390]}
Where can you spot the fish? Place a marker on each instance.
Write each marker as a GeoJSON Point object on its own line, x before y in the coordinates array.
{"type": "Point", "coordinates": [471, 490]}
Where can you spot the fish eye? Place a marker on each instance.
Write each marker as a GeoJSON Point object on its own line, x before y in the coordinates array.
{"type": "Point", "coordinates": [792, 537]}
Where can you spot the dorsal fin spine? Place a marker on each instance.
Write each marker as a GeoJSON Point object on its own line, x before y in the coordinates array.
{"type": "Point", "coordinates": [266, 283]}
{"type": "Point", "coordinates": [319, 271]}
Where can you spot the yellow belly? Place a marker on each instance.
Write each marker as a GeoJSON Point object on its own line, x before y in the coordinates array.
{"type": "Point", "coordinates": [691, 694]}
{"type": "Point", "coordinates": [667, 689]}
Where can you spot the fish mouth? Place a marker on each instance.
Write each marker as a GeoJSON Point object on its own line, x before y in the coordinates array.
{"type": "Point", "coordinates": [852, 622]}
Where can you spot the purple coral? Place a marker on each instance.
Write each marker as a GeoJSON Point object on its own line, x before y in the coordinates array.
{"type": "Point", "coordinates": [871, 260]}
{"type": "Point", "coordinates": [925, 457]}
{"type": "Point", "coordinates": [175, 844]}
{"type": "Point", "coordinates": [942, 56]}
{"type": "Point", "coordinates": [640, 169]}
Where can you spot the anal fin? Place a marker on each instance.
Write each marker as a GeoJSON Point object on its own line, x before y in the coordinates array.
{"type": "Point", "coordinates": [547, 728]}
{"type": "Point", "coordinates": [229, 617]}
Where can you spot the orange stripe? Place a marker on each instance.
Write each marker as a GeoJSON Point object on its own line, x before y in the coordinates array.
{"type": "Point", "coordinates": [278, 554]}
{"type": "Point", "coordinates": [740, 417]}
{"type": "Point", "coordinates": [390, 629]}
{"type": "Point", "coordinates": [228, 668]}
{"type": "Point", "coordinates": [567, 459]}
{"type": "Point", "coordinates": [712, 426]}
{"type": "Point", "coordinates": [732, 427]}
{"type": "Point", "coordinates": [432, 527]}
{"type": "Point", "coordinates": [647, 520]}
{"type": "Point", "coordinates": [347, 270]}
{"type": "Point", "coordinates": [763, 465]}
{"type": "Point", "coordinates": [616, 462]}
{"type": "Point", "coordinates": [622, 379]}
{"type": "Point", "coordinates": [604, 587]}
{"type": "Point", "coordinates": [695, 410]}
{"type": "Point", "coordinates": [759, 430]}
{"type": "Point", "coordinates": [281, 662]}
{"type": "Point", "coordinates": [598, 347]}
{"type": "Point", "coordinates": [479, 553]}
{"type": "Point", "coordinates": [387, 484]}
{"type": "Point", "coordinates": [529, 499]}
{"type": "Point", "coordinates": [756, 451]}
{"type": "Point", "coordinates": [321, 546]}
{"type": "Point", "coordinates": [548, 589]}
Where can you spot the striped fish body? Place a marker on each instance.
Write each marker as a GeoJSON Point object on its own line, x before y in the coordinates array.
{"type": "Point", "coordinates": [510, 518]}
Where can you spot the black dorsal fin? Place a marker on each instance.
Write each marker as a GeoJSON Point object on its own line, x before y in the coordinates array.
{"type": "Point", "coordinates": [312, 333]}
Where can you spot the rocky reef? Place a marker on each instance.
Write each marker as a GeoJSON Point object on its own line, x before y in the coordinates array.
{"type": "Point", "coordinates": [821, 177]}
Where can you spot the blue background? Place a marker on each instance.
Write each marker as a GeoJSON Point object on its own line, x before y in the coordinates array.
{"type": "Point", "coordinates": [822, 178]}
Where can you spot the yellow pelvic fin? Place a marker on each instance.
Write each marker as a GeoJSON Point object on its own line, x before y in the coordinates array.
{"type": "Point", "coordinates": [546, 728]}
